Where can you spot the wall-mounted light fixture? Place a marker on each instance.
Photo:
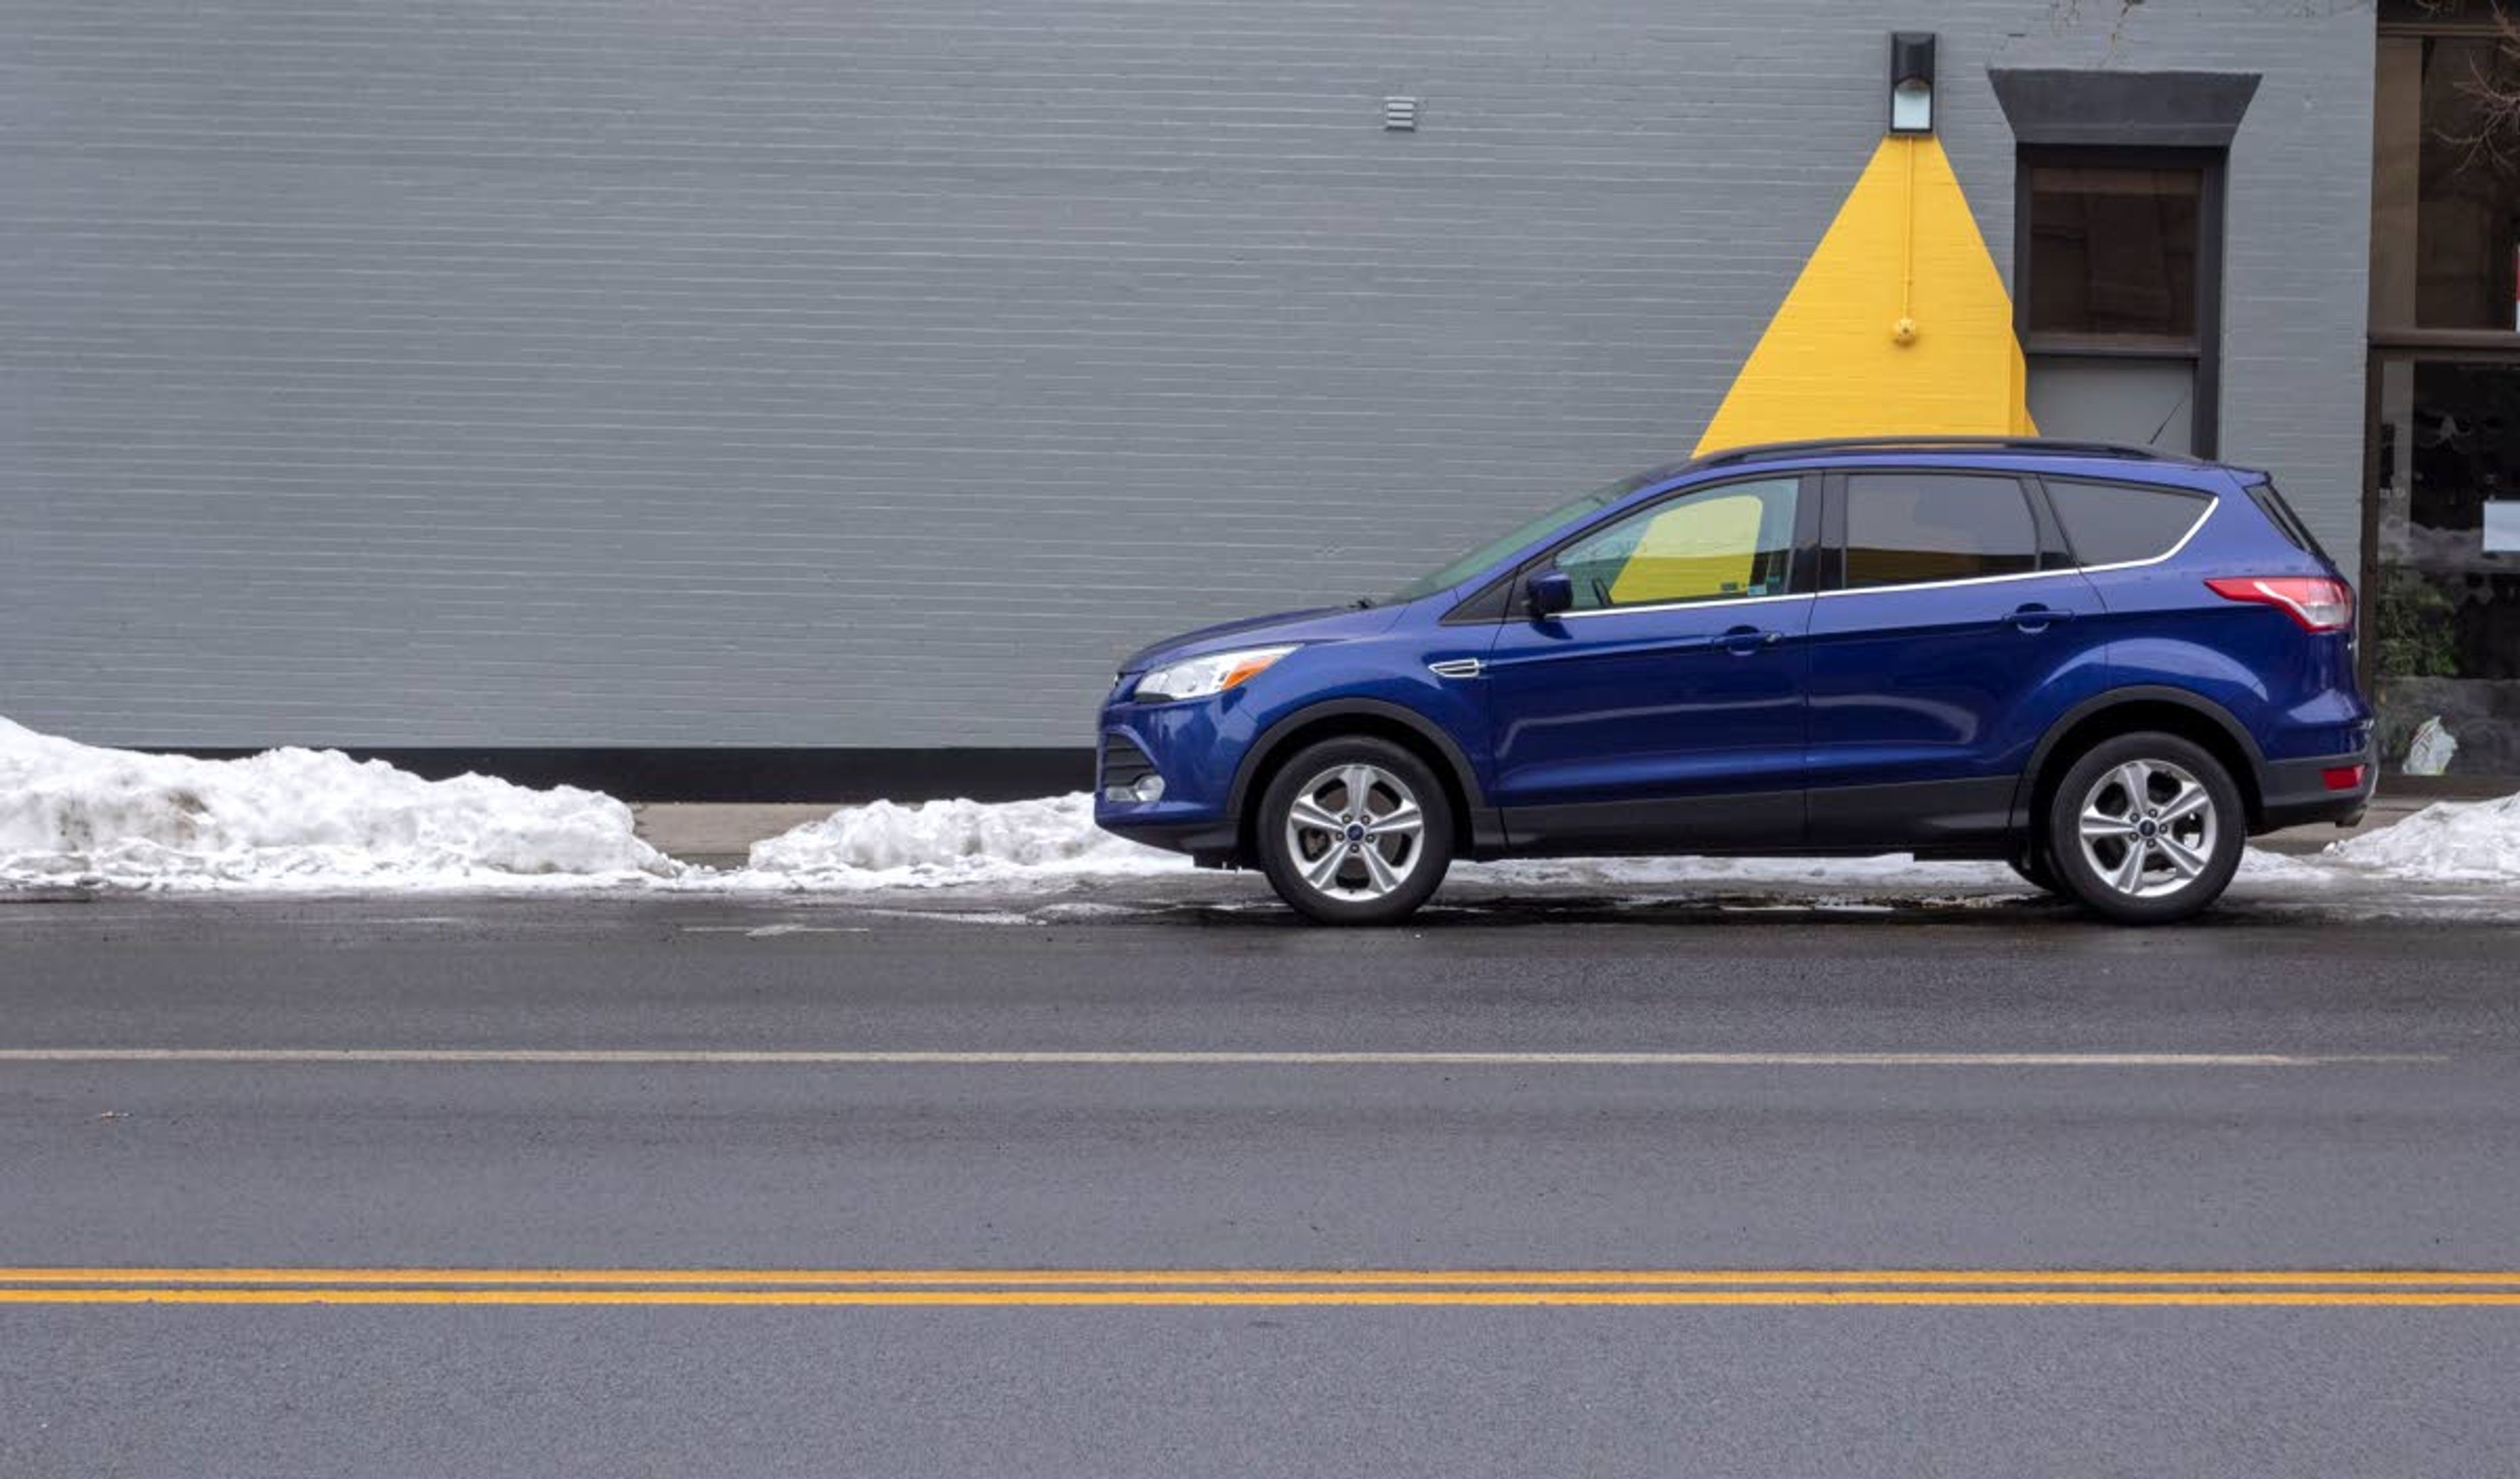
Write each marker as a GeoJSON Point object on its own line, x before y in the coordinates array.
{"type": "Point", "coordinates": [1912, 81]}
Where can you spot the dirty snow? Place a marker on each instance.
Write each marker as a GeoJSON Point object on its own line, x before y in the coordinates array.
{"type": "Point", "coordinates": [886, 845]}
{"type": "Point", "coordinates": [2447, 842]}
{"type": "Point", "coordinates": [296, 819]}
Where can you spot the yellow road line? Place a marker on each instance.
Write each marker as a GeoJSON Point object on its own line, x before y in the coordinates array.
{"type": "Point", "coordinates": [1272, 1277]}
{"type": "Point", "coordinates": [1166, 1058]}
{"type": "Point", "coordinates": [1231, 1298]}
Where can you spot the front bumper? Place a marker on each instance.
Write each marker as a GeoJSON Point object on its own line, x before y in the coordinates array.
{"type": "Point", "coordinates": [1194, 745]}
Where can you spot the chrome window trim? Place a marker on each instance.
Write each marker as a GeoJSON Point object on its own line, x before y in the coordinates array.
{"type": "Point", "coordinates": [1622, 610]}
{"type": "Point", "coordinates": [2213, 501]}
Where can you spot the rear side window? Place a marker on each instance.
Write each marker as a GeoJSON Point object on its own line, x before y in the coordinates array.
{"type": "Point", "coordinates": [1906, 529]}
{"type": "Point", "coordinates": [2281, 514]}
{"type": "Point", "coordinates": [2120, 524]}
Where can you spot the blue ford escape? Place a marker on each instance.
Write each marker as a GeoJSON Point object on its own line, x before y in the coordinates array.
{"type": "Point", "coordinates": [2104, 666]}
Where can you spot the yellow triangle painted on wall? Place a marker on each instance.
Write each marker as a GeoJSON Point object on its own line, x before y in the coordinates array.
{"type": "Point", "coordinates": [1833, 361]}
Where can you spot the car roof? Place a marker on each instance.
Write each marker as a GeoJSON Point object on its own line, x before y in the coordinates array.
{"type": "Point", "coordinates": [2106, 459]}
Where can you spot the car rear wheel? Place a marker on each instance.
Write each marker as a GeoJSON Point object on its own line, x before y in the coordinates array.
{"type": "Point", "coordinates": [2146, 829]}
{"type": "Point", "coordinates": [1355, 831]}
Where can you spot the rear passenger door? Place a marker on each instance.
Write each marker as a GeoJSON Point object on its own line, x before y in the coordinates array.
{"type": "Point", "coordinates": [1949, 629]}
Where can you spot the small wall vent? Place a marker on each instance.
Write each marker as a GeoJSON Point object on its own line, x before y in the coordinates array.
{"type": "Point", "coordinates": [1400, 115]}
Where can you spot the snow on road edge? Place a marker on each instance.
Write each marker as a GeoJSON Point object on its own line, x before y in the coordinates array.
{"type": "Point", "coordinates": [939, 843]}
{"type": "Point", "coordinates": [2446, 842]}
{"type": "Point", "coordinates": [297, 819]}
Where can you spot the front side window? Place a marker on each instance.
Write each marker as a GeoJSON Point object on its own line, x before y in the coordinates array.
{"type": "Point", "coordinates": [1904, 529]}
{"type": "Point", "coordinates": [1716, 545]}
{"type": "Point", "coordinates": [2116, 523]}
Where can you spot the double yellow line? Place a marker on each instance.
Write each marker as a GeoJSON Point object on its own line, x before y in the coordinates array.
{"type": "Point", "coordinates": [1243, 1287]}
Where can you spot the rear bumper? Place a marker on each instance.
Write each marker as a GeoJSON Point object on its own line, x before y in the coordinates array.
{"type": "Point", "coordinates": [2295, 792]}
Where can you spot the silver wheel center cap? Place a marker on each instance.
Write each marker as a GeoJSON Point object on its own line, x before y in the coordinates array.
{"type": "Point", "coordinates": [1355, 833]}
{"type": "Point", "coordinates": [2147, 826]}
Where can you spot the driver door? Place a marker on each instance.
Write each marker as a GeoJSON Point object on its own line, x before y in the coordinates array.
{"type": "Point", "coordinates": [1664, 711]}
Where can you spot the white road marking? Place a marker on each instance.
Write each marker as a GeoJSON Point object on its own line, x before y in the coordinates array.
{"type": "Point", "coordinates": [1088, 1058]}
{"type": "Point", "coordinates": [774, 931]}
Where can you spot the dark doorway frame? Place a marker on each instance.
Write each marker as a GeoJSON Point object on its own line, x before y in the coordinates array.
{"type": "Point", "coordinates": [2205, 356]}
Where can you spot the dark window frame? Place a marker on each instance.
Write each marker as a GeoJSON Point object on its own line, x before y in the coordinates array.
{"type": "Point", "coordinates": [2205, 354]}
{"type": "Point", "coordinates": [2046, 533]}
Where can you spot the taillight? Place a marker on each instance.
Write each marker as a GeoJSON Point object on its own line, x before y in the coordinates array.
{"type": "Point", "coordinates": [2319, 604]}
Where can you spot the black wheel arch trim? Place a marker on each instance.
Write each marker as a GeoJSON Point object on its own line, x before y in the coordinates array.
{"type": "Point", "coordinates": [2117, 698]}
{"type": "Point", "coordinates": [1478, 828]}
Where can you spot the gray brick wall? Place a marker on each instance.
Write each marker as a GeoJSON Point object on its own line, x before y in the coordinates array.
{"type": "Point", "coordinates": [592, 372]}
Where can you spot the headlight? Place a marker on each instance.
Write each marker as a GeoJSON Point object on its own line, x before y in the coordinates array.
{"type": "Point", "coordinates": [1197, 677]}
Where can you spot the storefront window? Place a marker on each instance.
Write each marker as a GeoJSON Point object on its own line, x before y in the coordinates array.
{"type": "Point", "coordinates": [2441, 597]}
{"type": "Point", "coordinates": [2446, 182]}
{"type": "Point", "coordinates": [2443, 613]}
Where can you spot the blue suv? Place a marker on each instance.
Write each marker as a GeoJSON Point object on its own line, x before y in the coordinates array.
{"type": "Point", "coordinates": [2105, 666]}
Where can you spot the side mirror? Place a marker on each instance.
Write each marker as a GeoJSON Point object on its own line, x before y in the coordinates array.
{"type": "Point", "coordinates": [1550, 591]}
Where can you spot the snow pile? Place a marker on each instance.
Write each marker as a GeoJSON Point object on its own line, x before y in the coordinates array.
{"type": "Point", "coordinates": [296, 820]}
{"type": "Point", "coordinates": [2445, 842]}
{"type": "Point", "coordinates": [886, 845]}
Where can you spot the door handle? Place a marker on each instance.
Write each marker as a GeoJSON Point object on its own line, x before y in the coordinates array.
{"type": "Point", "coordinates": [1741, 641]}
{"type": "Point", "coordinates": [2035, 617]}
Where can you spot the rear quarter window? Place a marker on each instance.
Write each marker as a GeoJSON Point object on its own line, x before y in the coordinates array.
{"type": "Point", "coordinates": [2121, 523]}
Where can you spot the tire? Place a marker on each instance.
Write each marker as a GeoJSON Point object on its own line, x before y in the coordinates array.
{"type": "Point", "coordinates": [1333, 868]}
{"type": "Point", "coordinates": [2156, 858]}
{"type": "Point", "coordinates": [2031, 862]}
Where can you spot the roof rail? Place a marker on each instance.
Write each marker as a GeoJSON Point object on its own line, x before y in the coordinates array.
{"type": "Point", "coordinates": [2052, 444]}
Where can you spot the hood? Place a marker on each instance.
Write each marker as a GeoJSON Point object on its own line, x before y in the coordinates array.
{"type": "Point", "coordinates": [1327, 624]}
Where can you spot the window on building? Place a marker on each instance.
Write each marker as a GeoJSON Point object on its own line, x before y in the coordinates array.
{"type": "Point", "coordinates": [2114, 522]}
{"type": "Point", "coordinates": [1722, 543]}
{"type": "Point", "coordinates": [1902, 529]}
{"type": "Point", "coordinates": [2445, 177]}
{"type": "Point", "coordinates": [2113, 252]}
{"type": "Point", "coordinates": [2116, 268]}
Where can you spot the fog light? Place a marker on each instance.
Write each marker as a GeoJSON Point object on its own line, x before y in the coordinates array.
{"type": "Point", "coordinates": [1148, 788]}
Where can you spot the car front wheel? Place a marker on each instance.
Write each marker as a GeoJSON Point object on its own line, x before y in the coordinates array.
{"type": "Point", "coordinates": [1355, 831]}
{"type": "Point", "coordinates": [2147, 829]}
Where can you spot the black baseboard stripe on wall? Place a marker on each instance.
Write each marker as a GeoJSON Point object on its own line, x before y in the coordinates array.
{"type": "Point", "coordinates": [737, 773]}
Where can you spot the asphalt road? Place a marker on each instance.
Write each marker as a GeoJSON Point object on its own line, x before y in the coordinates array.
{"type": "Point", "coordinates": [1786, 1192]}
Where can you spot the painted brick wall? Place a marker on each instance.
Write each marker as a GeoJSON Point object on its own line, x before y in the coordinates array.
{"type": "Point", "coordinates": [720, 371]}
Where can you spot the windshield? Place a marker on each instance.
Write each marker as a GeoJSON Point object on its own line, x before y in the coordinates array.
{"type": "Point", "coordinates": [1523, 533]}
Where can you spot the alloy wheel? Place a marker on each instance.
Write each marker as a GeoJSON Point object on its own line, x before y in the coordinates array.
{"type": "Point", "coordinates": [2147, 828]}
{"type": "Point", "coordinates": [1356, 832]}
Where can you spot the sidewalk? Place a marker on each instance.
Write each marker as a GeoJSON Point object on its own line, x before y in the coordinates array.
{"type": "Point", "coordinates": [719, 834]}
